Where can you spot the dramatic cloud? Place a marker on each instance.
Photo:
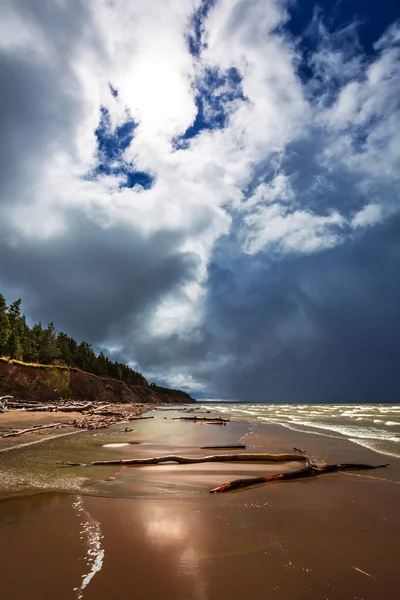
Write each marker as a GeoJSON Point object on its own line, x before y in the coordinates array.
{"type": "Point", "coordinates": [209, 190]}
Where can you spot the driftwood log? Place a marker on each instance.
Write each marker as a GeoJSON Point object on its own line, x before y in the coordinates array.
{"type": "Point", "coordinates": [311, 469]}
{"type": "Point", "coordinates": [224, 447]}
{"type": "Point", "coordinates": [219, 419]}
{"type": "Point", "coordinates": [189, 460]}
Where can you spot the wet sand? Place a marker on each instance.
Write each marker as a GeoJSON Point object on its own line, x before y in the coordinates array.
{"type": "Point", "coordinates": [22, 419]}
{"type": "Point", "coordinates": [160, 534]}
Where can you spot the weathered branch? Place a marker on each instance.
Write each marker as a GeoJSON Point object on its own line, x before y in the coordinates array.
{"type": "Point", "coordinates": [309, 460]}
{"type": "Point", "coordinates": [138, 418]}
{"type": "Point", "coordinates": [223, 447]}
{"type": "Point", "coordinates": [308, 471]}
{"type": "Point", "coordinates": [311, 469]}
{"type": "Point", "coordinates": [202, 419]}
{"type": "Point", "coordinates": [187, 460]}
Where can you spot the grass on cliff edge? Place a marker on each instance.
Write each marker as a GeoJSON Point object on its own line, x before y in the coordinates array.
{"type": "Point", "coordinates": [14, 361]}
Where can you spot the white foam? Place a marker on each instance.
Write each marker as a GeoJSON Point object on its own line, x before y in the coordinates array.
{"type": "Point", "coordinates": [288, 426]}
{"type": "Point", "coordinates": [348, 431]}
{"type": "Point", "coordinates": [371, 446]}
{"type": "Point", "coordinates": [373, 422]}
{"type": "Point", "coordinates": [94, 552]}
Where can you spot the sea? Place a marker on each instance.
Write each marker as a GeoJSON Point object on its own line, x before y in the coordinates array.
{"type": "Point", "coordinates": [374, 426]}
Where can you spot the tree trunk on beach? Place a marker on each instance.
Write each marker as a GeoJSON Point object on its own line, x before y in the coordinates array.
{"type": "Point", "coordinates": [311, 469]}
{"type": "Point", "coordinates": [186, 460]}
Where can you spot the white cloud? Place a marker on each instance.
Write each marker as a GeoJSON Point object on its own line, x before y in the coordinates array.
{"type": "Point", "coordinates": [299, 231]}
{"type": "Point", "coordinates": [365, 119]}
{"type": "Point", "coordinates": [368, 215]}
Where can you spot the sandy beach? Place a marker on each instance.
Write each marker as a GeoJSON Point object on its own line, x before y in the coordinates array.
{"type": "Point", "coordinates": [156, 532]}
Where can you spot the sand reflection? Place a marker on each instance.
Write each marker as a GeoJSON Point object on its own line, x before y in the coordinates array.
{"type": "Point", "coordinates": [179, 531]}
{"type": "Point", "coordinates": [163, 528]}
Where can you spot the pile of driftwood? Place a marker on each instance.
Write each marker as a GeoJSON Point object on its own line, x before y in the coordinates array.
{"type": "Point", "coordinates": [95, 415]}
{"type": "Point", "coordinates": [310, 469]}
{"type": "Point", "coordinates": [61, 406]}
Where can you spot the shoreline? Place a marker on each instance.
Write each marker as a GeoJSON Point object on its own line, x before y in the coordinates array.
{"type": "Point", "coordinates": [260, 437]}
{"type": "Point", "coordinates": [157, 532]}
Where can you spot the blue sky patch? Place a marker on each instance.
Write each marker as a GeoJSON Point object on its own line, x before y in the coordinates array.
{"type": "Point", "coordinates": [112, 144]}
{"type": "Point", "coordinates": [361, 23]}
{"type": "Point", "coordinates": [373, 17]}
{"type": "Point", "coordinates": [113, 90]}
{"type": "Point", "coordinates": [195, 37]}
{"type": "Point", "coordinates": [111, 147]}
{"type": "Point", "coordinates": [216, 95]}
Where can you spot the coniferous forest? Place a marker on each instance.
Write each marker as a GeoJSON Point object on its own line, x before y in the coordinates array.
{"type": "Point", "coordinates": [47, 346]}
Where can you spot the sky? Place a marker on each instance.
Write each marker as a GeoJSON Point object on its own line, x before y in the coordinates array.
{"type": "Point", "coordinates": [209, 190]}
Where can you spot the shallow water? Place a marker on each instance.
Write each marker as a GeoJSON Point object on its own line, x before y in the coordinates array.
{"type": "Point", "coordinates": [34, 467]}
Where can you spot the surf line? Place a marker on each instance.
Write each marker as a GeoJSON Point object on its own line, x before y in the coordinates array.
{"type": "Point", "coordinates": [47, 439]}
{"type": "Point", "coordinates": [90, 529]}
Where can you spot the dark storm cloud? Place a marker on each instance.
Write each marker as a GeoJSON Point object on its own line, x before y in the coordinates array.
{"type": "Point", "coordinates": [39, 95]}
{"type": "Point", "coordinates": [310, 329]}
{"type": "Point", "coordinates": [94, 282]}
{"type": "Point", "coordinates": [319, 328]}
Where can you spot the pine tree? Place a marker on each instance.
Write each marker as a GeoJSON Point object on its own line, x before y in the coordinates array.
{"type": "Point", "coordinates": [48, 352]}
{"type": "Point", "coordinates": [4, 325]}
{"type": "Point", "coordinates": [85, 356]}
{"type": "Point", "coordinates": [100, 365]}
{"type": "Point", "coordinates": [36, 341]}
{"type": "Point", "coordinates": [45, 346]}
{"type": "Point", "coordinates": [14, 343]}
{"type": "Point", "coordinates": [31, 344]}
{"type": "Point", "coordinates": [64, 348]}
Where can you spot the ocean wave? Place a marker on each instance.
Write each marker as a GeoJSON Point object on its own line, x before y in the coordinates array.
{"type": "Point", "coordinates": [290, 426]}
{"type": "Point", "coordinates": [348, 431]}
{"type": "Point", "coordinates": [370, 424]}
{"type": "Point", "coordinates": [371, 445]}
